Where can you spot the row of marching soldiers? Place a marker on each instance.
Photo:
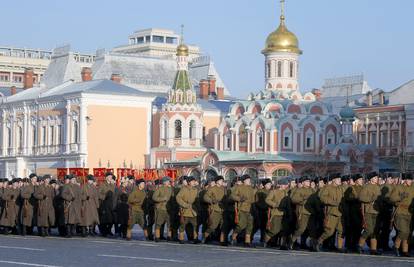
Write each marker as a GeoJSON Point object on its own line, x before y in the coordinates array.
{"type": "Point", "coordinates": [342, 213]}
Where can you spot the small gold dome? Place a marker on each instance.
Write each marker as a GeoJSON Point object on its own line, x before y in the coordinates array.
{"type": "Point", "coordinates": [182, 50]}
{"type": "Point", "coordinates": [282, 40]}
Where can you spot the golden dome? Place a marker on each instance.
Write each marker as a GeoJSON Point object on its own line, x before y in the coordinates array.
{"type": "Point", "coordinates": [282, 40]}
{"type": "Point", "coordinates": [182, 50]}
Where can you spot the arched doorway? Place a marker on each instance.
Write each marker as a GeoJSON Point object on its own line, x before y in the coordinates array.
{"type": "Point", "coordinates": [210, 174]}
{"type": "Point", "coordinates": [230, 175]}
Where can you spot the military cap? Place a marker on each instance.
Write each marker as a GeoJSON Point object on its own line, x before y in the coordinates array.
{"type": "Point", "coordinates": [334, 176]}
{"type": "Point", "coordinates": [357, 177]}
{"type": "Point", "coordinates": [130, 177]}
{"type": "Point", "coordinates": [406, 176]}
{"type": "Point", "coordinates": [69, 176]}
{"type": "Point", "coordinates": [47, 176]}
{"type": "Point", "coordinates": [190, 178]}
{"type": "Point", "coordinates": [372, 175]}
{"type": "Point", "coordinates": [90, 177]}
{"type": "Point", "coordinates": [40, 178]}
{"type": "Point", "coordinates": [304, 178]}
{"type": "Point", "coordinates": [218, 178]}
{"type": "Point", "coordinates": [166, 179]}
{"type": "Point", "coordinates": [266, 181]}
{"type": "Point", "coordinates": [137, 182]}
{"type": "Point", "coordinates": [245, 177]}
{"type": "Point", "coordinates": [32, 175]}
{"type": "Point", "coordinates": [157, 182]}
{"type": "Point", "coordinates": [53, 181]}
{"type": "Point", "coordinates": [108, 174]}
{"type": "Point", "coordinates": [345, 178]}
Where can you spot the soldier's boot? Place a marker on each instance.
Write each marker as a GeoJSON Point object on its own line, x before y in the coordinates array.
{"type": "Point", "coordinates": [361, 244]}
{"type": "Point", "coordinates": [91, 231]}
{"type": "Point", "coordinates": [317, 246]}
{"type": "Point", "coordinates": [181, 238]}
{"type": "Point", "coordinates": [373, 247]}
{"type": "Point", "coordinates": [83, 231]}
{"type": "Point", "coordinates": [266, 240]}
{"type": "Point", "coordinates": [129, 234]}
{"type": "Point", "coordinates": [404, 249]}
{"type": "Point", "coordinates": [68, 231]}
{"type": "Point", "coordinates": [146, 235]}
{"type": "Point", "coordinates": [195, 238]}
{"type": "Point", "coordinates": [223, 240]}
{"type": "Point", "coordinates": [397, 245]}
{"type": "Point", "coordinates": [283, 243]}
{"type": "Point", "coordinates": [157, 235]}
{"type": "Point", "coordinates": [247, 241]}
{"type": "Point", "coordinates": [341, 245]}
{"type": "Point", "coordinates": [205, 238]}
{"type": "Point", "coordinates": [47, 229]}
{"type": "Point", "coordinates": [43, 231]}
{"type": "Point", "coordinates": [234, 239]}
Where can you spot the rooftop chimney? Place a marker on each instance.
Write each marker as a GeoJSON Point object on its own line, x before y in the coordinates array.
{"type": "Point", "coordinates": [86, 74]}
{"type": "Point", "coordinates": [116, 78]}
{"type": "Point", "coordinates": [211, 84]}
{"type": "Point", "coordinates": [203, 89]}
{"type": "Point", "coordinates": [28, 78]}
{"type": "Point", "coordinates": [13, 90]}
{"type": "Point", "coordinates": [220, 93]}
{"type": "Point", "coordinates": [369, 99]}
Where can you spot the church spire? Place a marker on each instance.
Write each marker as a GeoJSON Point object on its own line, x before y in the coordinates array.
{"type": "Point", "coordinates": [282, 11]}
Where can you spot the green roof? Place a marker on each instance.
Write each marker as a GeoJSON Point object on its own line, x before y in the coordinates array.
{"type": "Point", "coordinates": [182, 81]}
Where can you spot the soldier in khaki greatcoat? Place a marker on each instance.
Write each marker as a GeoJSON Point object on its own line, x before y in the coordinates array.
{"type": "Point", "coordinates": [186, 198]}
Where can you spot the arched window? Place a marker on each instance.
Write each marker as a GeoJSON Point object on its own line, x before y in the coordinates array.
{"type": "Point", "coordinates": [9, 137]}
{"type": "Point", "coordinates": [260, 138]}
{"type": "Point", "coordinates": [230, 175]}
{"type": "Point", "coordinates": [227, 141]}
{"type": "Point", "coordinates": [287, 138]}
{"type": "Point", "coordinates": [309, 139]}
{"type": "Point", "coordinates": [192, 129]}
{"type": "Point", "coordinates": [279, 69]}
{"type": "Point", "coordinates": [177, 127]}
{"type": "Point", "coordinates": [269, 69]}
{"type": "Point", "coordinates": [20, 139]}
{"type": "Point", "coordinates": [75, 132]}
{"type": "Point", "coordinates": [291, 69]}
{"type": "Point", "coordinates": [242, 135]}
{"type": "Point", "coordinates": [253, 174]}
{"type": "Point", "coordinates": [330, 137]}
{"type": "Point", "coordinates": [196, 174]}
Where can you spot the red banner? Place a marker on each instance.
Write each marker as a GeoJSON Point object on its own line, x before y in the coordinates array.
{"type": "Point", "coordinates": [61, 173]}
{"type": "Point", "coordinates": [79, 172]}
{"type": "Point", "coordinates": [99, 172]}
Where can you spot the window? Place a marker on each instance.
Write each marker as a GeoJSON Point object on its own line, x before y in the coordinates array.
{"type": "Point", "coordinates": [227, 142]}
{"type": "Point", "coordinates": [60, 135]}
{"type": "Point", "coordinates": [363, 139]}
{"type": "Point", "coordinates": [140, 40]}
{"type": "Point", "coordinates": [177, 125]}
{"type": "Point", "coordinates": [374, 138]}
{"type": "Point", "coordinates": [279, 69]}
{"type": "Point", "coordinates": [309, 139]}
{"type": "Point", "coordinates": [4, 77]}
{"type": "Point", "coordinates": [291, 68]}
{"type": "Point", "coordinates": [9, 137]}
{"type": "Point", "coordinates": [395, 140]}
{"type": "Point", "coordinates": [52, 135]}
{"type": "Point", "coordinates": [75, 135]}
{"type": "Point", "coordinates": [287, 138]}
{"type": "Point", "coordinates": [158, 39]}
{"type": "Point", "coordinates": [242, 135]}
{"type": "Point", "coordinates": [410, 139]}
{"type": "Point", "coordinates": [260, 140]}
{"type": "Point", "coordinates": [269, 73]}
{"type": "Point", "coordinates": [330, 137]}
{"type": "Point", "coordinates": [17, 79]}
{"type": "Point", "coordinates": [384, 139]}
{"type": "Point", "coordinates": [43, 135]}
{"type": "Point", "coordinates": [230, 175]}
{"type": "Point", "coordinates": [34, 143]}
{"type": "Point", "coordinates": [204, 134]}
{"type": "Point", "coordinates": [280, 173]}
{"type": "Point", "coordinates": [20, 145]}
{"type": "Point", "coordinates": [170, 40]}
{"type": "Point", "coordinates": [147, 39]}
{"type": "Point", "coordinates": [192, 129]}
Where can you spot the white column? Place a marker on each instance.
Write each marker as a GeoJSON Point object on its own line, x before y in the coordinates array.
{"type": "Point", "coordinates": [25, 131]}
{"type": "Point", "coordinates": [253, 140]}
{"type": "Point", "coordinates": [67, 127]}
{"type": "Point", "coordinates": [83, 127]}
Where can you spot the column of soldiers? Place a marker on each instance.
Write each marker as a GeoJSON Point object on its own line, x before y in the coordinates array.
{"type": "Point", "coordinates": [340, 212]}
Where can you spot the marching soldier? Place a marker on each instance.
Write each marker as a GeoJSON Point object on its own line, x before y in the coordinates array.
{"type": "Point", "coordinates": [136, 201]}
{"type": "Point", "coordinates": [301, 198]}
{"type": "Point", "coordinates": [370, 197]}
{"type": "Point", "coordinates": [402, 197]}
{"type": "Point", "coordinates": [186, 199]}
{"type": "Point", "coordinates": [45, 218]}
{"type": "Point", "coordinates": [92, 204]}
{"type": "Point", "coordinates": [280, 212]}
{"type": "Point", "coordinates": [28, 209]}
{"type": "Point", "coordinates": [244, 195]}
{"type": "Point", "coordinates": [332, 196]}
{"type": "Point", "coordinates": [9, 212]}
{"type": "Point", "coordinates": [214, 197]}
{"type": "Point", "coordinates": [106, 206]}
{"type": "Point", "coordinates": [386, 212]}
{"type": "Point", "coordinates": [353, 231]}
{"type": "Point", "coordinates": [162, 200]}
{"type": "Point", "coordinates": [262, 208]}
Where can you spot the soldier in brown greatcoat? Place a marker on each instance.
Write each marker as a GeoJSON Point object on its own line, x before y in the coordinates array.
{"type": "Point", "coordinates": [44, 197]}
{"type": "Point", "coordinates": [93, 204]}
{"type": "Point", "coordinates": [71, 197]}
{"type": "Point", "coordinates": [106, 206]}
{"type": "Point", "coordinates": [28, 205]}
{"type": "Point", "coordinates": [9, 210]}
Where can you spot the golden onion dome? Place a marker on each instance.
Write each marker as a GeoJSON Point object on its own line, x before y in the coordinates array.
{"type": "Point", "coordinates": [182, 50]}
{"type": "Point", "coordinates": [282, 40]}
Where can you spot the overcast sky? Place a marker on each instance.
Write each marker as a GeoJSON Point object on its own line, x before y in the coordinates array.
{"type": "Point", "coordinates": [374, 37]}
